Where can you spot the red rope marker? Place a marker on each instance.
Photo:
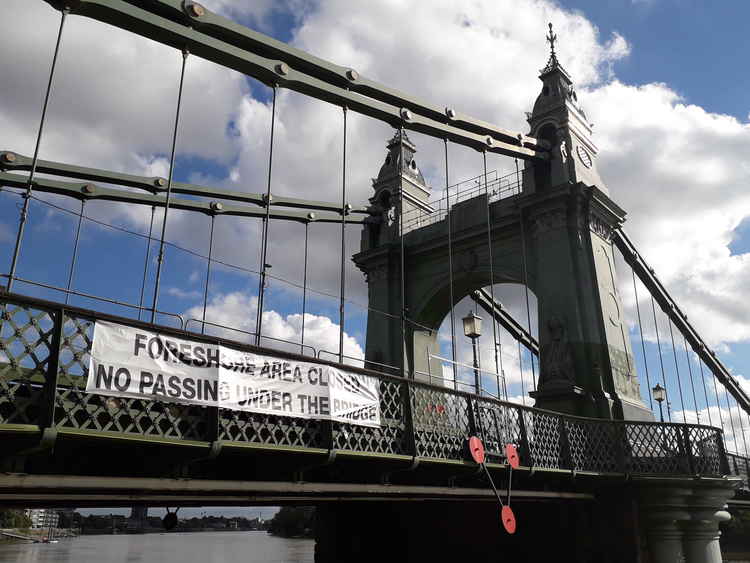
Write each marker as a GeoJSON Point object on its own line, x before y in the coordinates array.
{"type": "Point", "coordinates": [509, 519]}
{"type": "Point", "coordinates": [511, 455]}
{"type": "Point", "coordinates": [476, 450]}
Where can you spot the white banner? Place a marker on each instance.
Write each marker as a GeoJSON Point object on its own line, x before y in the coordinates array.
{"type": "Point", "coordinates": [131, 362]}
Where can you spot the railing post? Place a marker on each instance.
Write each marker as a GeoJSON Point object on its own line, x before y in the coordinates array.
{"type": "Point", "coordinates": [474, 427]}
{"type": "Point", "coordinates": [688, 449]}
{"type": "Point", "coordinates": [566, 455]}
{"type": "Point", "coordinates": [622, 447]}
{"type": "Point", "coordinates": [525, 444]}
{"type": "Point", "coordinates": [47, 414]}
{"type": "Point", "coordinates": [723, 458]}
{"type": "Point", "coordinates": [409, 431]}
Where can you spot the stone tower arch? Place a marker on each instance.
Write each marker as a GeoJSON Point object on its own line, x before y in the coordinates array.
{"type": "Point", "coordinates": [559, 226]}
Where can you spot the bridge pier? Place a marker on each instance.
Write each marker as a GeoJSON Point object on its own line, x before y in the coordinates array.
{"type": "Point", "coordinates": [637, 523]}
{"type": "Point", "coordinates": [682, 522]}
{"type": "Point", "coordinates": [454, 531]}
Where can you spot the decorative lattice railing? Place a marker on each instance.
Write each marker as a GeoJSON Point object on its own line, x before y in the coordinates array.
{"type": "Point", "coordinates": [44, 354]}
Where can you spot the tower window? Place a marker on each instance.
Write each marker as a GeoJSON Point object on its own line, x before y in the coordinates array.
{"type": "Point", "coordinates": [388, 158]}
{"type": "Point", "coordinates": [413, 164]}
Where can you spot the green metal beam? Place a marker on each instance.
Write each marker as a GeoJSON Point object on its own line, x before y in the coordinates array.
{"type": "Point", "coordinates": [88, 191]}
{"type": "Point", "coordinates": [165, 22]}
{"type": "Point", "coordinates": [495, 308]}
{"type": "Point", "coordinates": [10, 160]}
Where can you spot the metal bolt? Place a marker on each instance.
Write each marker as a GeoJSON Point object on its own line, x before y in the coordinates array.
{"type": "Point", "coordinates": [348, 208]}
{"type": "Point", "coordinates": [282, 69]}
{"type": "Point", "coordinates": [9, 157]}
{"type": "Point", "coordinates": [311, 216]}
{"type": "Point", "coordinates": [216, 206]}
{"type": "Point", "coordinates": [490, 141]}
{"type": "Point", "coordinates": [405, 114]}
{"type": "Point", "coordinates": [88, 188]}
{"type": "Point", "coordinates": [160, 182]}
{"type": "Point", "coordinates": [450, 112]}
{"type": "Point", "coordinates": [196, 10]}
{"type": "Point", "coordinates": [352, 74]}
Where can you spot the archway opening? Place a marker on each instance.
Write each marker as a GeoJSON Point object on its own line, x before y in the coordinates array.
{"type": "Point", "coordinates": [506, 369]}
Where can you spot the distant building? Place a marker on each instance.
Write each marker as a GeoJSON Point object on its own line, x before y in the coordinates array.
{"type": "Point", "coordinates": [43, 517]}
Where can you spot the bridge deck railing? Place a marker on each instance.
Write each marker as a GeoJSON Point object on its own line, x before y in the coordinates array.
{"type": "Point", "coordinates": [44, 356]}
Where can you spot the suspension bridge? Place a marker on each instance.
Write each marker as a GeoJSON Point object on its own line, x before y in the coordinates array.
{"type": "Point", "coordinates": [148, 407]}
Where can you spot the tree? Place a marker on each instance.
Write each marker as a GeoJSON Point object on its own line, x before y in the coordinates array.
{"type": "Point", "coordinates": [10, 518]}
{"type": "Point", "coordinates": [293, 522]}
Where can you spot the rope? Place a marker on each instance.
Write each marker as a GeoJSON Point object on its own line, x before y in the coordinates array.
{"type": "Point", "coordinates": [35, 159]}
{"type": "Point", "coordinates": [692, 384]}
{"type": "Point", "coordinates": [721, 417]}
{"type": "Point", "coordinates": [402, 260]}
{"type": "Point", "coordinates": [160, 257]}
{"type": "Point", "coordinates": [492, 270]}
{"type": "Point", "coordinates": [450, 266]}
{"type": "Point", "coordinates": [661, 361]}
{"type": "Point", "coordinates": [343, 246]}
{"type": "Point", "coordinates": [677, 368]}
{"type": "Point", "coordinates": [148, 251]}
{"type": "Point", "coordinates": [75, 253]}
{"type": "Point", "coordinates": [266, 224]}
{"type": "Point", "coordinates": [731, 420]}
{"type": "Point", "coordinates": [520, 367]}
{"type": "Point", "coordinates": [526, 284]}
{"type": "Point", "coordinates": [208, 273]}
{"type": "Point", "coordinates": [705, 391]}
{"type": "Point", "coordinates": [304, 290]}
{"type": "Point", "coordinates": [643, 345]}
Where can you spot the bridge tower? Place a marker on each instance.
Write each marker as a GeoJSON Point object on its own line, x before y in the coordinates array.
{"type": "Point", "coordinates": [555, 236]}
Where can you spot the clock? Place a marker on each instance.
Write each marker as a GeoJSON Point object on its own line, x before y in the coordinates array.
{"type": "Point", "coordinates": [584, 156]}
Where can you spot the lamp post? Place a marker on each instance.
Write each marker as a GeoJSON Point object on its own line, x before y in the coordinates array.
{"type": "Point", "coordinates": [659, 394]}
{"type": "Point", "coordinates": [473, 330]}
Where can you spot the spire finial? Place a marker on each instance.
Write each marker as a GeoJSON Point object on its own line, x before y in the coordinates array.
{"type": "Point", "coordinates": [551, 38]}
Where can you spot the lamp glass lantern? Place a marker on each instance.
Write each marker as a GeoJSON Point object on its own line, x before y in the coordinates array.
{"type": "Point", "coordinates": [472, 325]}
{"type": "Point", "coordinates": [659, 393]}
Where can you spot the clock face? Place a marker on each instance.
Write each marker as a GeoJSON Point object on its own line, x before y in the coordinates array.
{"type": "Point", "coordinates": [584, 156]}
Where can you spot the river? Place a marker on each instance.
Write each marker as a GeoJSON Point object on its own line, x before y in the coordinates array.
{"type": "Point", "coordinates": [203, 547]}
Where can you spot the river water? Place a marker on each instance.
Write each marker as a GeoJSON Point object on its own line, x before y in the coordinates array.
{"type": "Point", "coordinates": [202, 547]}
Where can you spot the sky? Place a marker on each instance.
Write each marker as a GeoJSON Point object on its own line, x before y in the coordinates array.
{"type": "Point", "coordinates": [660, 79]}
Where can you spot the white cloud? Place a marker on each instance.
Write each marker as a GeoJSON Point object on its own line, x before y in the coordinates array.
{"type": "Point", "coordinates": [237, 310]}
{"type": "Point", "coordinates": [182, 294]}
{"type": "Point", "coordinates": [679, 170]}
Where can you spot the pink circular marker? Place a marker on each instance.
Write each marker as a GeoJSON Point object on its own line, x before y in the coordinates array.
{"type": "Point", "coordinates": [509, 519]}
{"type": "Point", "coordinates": [476, 449]}
{"type": "Point", "coordinates": [511, 454]}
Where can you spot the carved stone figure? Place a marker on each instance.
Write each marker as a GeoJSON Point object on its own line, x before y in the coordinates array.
{"type": "Point", "coordinates": [557, 359]}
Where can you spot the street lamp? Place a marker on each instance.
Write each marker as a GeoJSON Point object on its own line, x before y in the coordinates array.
{"type": "Point", "coordinates": [473, 330]}
{"type": "Point", "coordinates": [660, 395]}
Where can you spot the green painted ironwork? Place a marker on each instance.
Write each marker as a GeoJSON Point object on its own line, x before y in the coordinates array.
{"type": "Point", "coordinates": [188, 25]}
{"type": "Point", "coordinates": [43, 368]}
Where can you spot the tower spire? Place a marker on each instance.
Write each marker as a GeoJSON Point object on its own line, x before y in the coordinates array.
{"type": "Point", "coordinates": [552, 62]}
{"type": "Point", "coordinates": [551, 38]}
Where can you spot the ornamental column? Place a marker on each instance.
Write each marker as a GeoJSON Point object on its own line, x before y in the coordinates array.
{"type": "Point", "coordinates": [707, 507]}
{"type": "Point", "coordinates": [662, 509]}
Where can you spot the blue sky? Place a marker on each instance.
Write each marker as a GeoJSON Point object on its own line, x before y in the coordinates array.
{"type": "Point", "coordinates": [662, 80]}
{"type": "Point", "coordinates": [695, 47]}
